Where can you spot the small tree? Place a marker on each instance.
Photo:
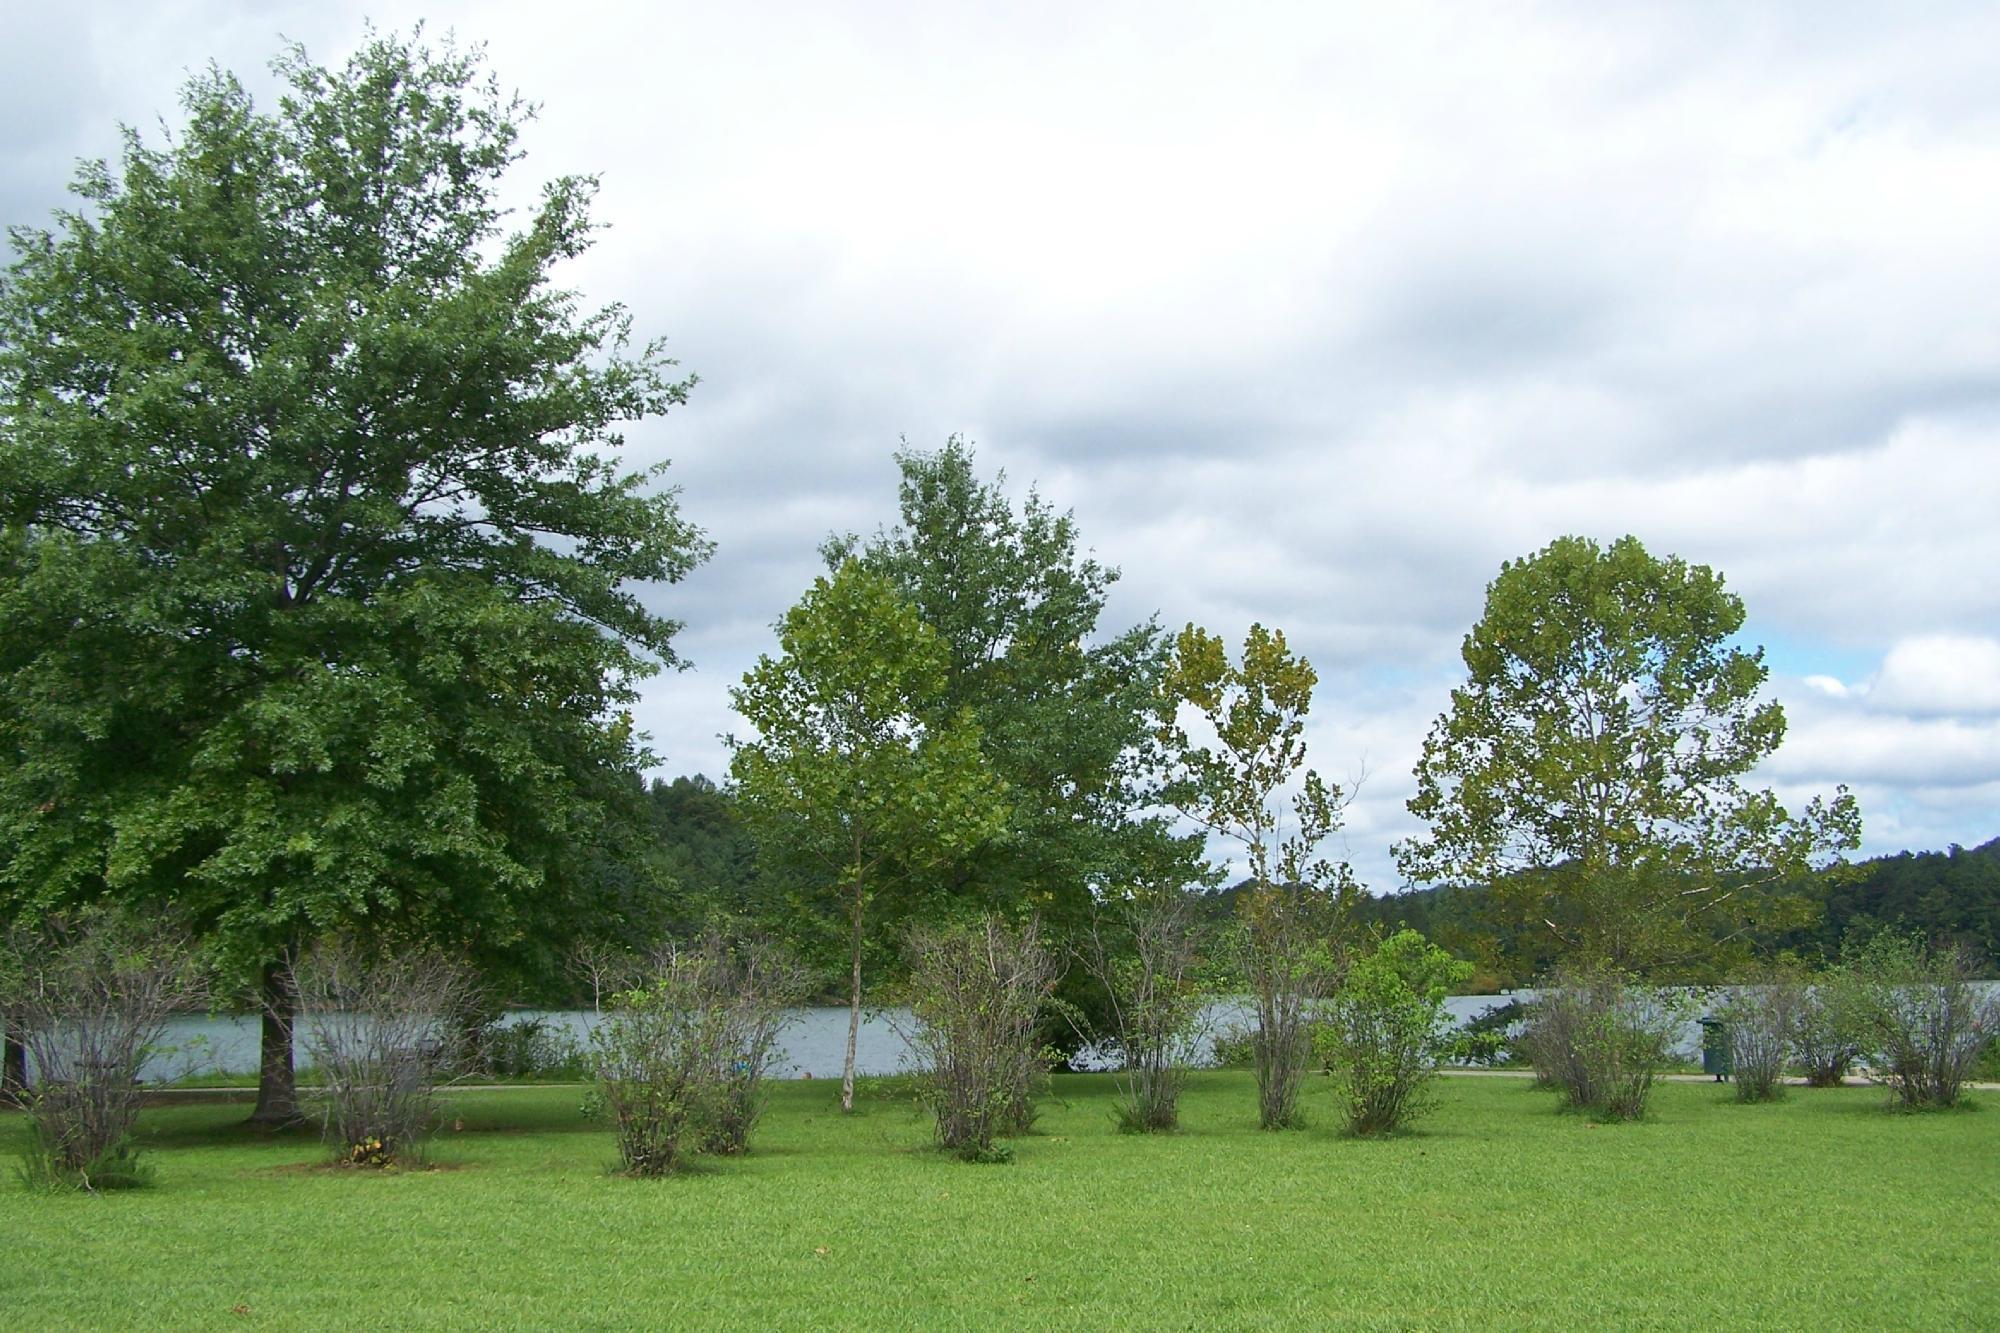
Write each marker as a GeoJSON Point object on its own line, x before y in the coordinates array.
{"type": "Point", "coordinates": [1387, 1030]}
{"type": "Point", "coordinates": [852, 777]}
{"type": "Point", "coordinates": [976, 994]}
{"type": "Point", "coordinates": [1598, 1038]}
{"type": "Point", "coordinates": [382, 1030]}
{"type": "Point", "coordinates": [1832, 1029]}
{"type": "Point", "coordinates": [1251, 720]}
{"type": "Point", "coordinates": [92, 993]}
{"type": "Point", "coordinates": [1145, 953]}
{"type": "Point", "coordinates": [1762, 1020]}
{"type": "Point", "coordinates": [1928, 1022]}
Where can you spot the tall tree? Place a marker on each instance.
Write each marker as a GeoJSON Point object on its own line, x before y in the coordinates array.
{"type": "Point", "coordinates": [317, 567]}
{"type": "Point", "coordinates": [853, 777]}
{"type": "Point", "coordinates": [1064, 710]}
{"type": "Point", "coordinates": [1594, 759]}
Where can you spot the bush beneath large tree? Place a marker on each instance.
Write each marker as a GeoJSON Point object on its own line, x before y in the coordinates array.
{"type": "Point", "coordinates": [92, 992]}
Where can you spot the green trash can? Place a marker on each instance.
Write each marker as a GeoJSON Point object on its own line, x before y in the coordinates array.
{"type": "Point", "coordinates": [1715, 1056]}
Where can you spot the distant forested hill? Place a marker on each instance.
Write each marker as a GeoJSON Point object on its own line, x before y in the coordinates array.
{"type": "Point", "coordinates": [1953, 894]}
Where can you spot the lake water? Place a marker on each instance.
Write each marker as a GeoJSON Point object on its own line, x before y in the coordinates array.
{"type": "Point", "coordinates": [813, 1041]}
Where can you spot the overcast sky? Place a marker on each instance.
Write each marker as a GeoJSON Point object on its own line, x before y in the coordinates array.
{"type": "Point", "coordinates": [1313, 314]}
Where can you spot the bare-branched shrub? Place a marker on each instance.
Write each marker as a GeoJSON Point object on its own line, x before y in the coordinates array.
{"type": "Point", "coordinates": [1288, 951]}
{"type": "Point", "coordinates": [1597, 1038]}
{"type": "Point", "coordinates": [92, 994]}
{"type": "Point", "coordinates": [1762, 1021]}
{"type": "Point", "coordinates": [976, 993]}
{"type": "Point", "coordinates": [1146, 953]}
{"type": "Point", "coordinates": [758, 983]}
{"type": "Point", "coordinates": [680, 1060]}
{"type": "Point", "coordinates": [382, 1029]}
{"type": "Point", "coordinates": [1930, 1023]}
{"type": "Point", "coordinates": [1387, 1030]}
{"type": "Point", "coordinates": [1833, 1027]}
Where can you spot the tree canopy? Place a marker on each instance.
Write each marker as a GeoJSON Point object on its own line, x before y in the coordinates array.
{"type": "Point", "coordinates": [1594, 759]}
{"type": "Point", "coordinates": [318, 565]}
{"type": "Point", "coordinates": [1063, 709]}
{"type": "Point", "coordinates": [852, 778]}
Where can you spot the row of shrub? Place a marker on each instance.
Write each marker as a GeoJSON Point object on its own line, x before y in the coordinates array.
{"type": "Point", "coordinates": [687, 1036]}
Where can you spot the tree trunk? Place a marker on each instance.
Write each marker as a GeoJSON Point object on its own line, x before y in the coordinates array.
{"type": "Point", "coordinates": [277, 1081]}
{"type": "Point", "coordinates": [853, 1011]}
{"type": "Point", "coordinates": [14, 1067]}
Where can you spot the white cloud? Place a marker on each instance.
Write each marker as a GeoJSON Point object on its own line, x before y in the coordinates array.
{"type": "Point", "coordinates": [1315, 316]}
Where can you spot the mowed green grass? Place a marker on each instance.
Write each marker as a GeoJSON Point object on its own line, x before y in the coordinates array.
{"type": "Point", "coordinates": [1822, 1211]}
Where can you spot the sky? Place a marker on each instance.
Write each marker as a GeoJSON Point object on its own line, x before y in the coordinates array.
{"type": "Point", "coordinates": [1313, 314]}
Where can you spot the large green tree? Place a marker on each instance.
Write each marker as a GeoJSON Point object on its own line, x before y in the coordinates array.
{"type": "Point", "coordinates": [1595, 759]}
{"type": "Point", "coordinates": [319, 573]}
{"type": "Point", "coordinates": [1064, 709]}
{"type": "Point", "coordinates": [854, 781]}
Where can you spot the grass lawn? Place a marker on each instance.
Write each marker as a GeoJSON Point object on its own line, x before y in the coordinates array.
{"type": "Point", "coordinates": [1823, 1210]}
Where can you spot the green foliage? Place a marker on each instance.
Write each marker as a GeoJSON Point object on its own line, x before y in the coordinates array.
{"type": "Point", "coordinates": [1387, 1029]}
{"type": "Point", "coordinates": [1233, 735]}
{"type": "Point", "coordinates": [49, 1163]}
{"type": "Point", "coordinates": [853, 781]}
{"type": "Point", "coordinates": [976, 992]}
{"type": "Point", "coordinates": [1064, 714]}
{"type": "Point", "coordinates": [1246, 746]}
{"type": "Point", "coordinates": [318, 570]}
{"type": "Point", "coordinates": [657, 1053]}
{"type": "Point", "coordinates": [1927, 1021]}
{"type": "Point", "coordinates": [1593, 760]}
{"type": "Point", "coordinates": [529, 1048]}
{"type": "Point", "coordinates": [1598, 1038]}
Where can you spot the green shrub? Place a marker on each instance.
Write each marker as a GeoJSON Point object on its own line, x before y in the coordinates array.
{"type": "Point", "coordinates": [1762, 1020]}
{"type": "Point", "coordinates": [529, 1048]}
{"type": "Point", "coordinates": [1928, 1021]}
{"type": "Point", "coordinates": [1833, 1027]}
{"type": "Point", "coordinates": [1387, 1029]}
{"type": "Point", "coordinates": [975, 995]}
{"type": "Point", "coordinates": [1597, 1038]}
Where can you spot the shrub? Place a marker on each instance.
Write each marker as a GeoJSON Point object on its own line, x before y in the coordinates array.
{"type": "Point", "coordinates": [1234, 1047]}
{"type": "Point", "coordinates": [1833, 1026]}
{"type": "Point", "coordinates": [758, 982]}
{"type": "Point", "coordinates": [1387, 1029]}
{"type": "Point", "coordinates": [381, 1029]}
{"type": "Point", "coordinates": [658, 1056]}
{"type": "Point", "coordinates": [1929, 1023]}
{"type": "Point", "coordinates": [1762, 1023]}
{"type": "Point", "coordinates": [1287, 949]}
{"type": "Point", "coordinates": [1145, 954]}
{"type": "Point", "coordinates": [1488, 1039]}
{"type": "Point", "coordinates": [1598, 1039]}
{"type": "Point", "coordinates": [528, 1048]}
{"type": "Point", "coordinates": [91, 993]}
{"type": "Point", "coordinates": [975, 994]}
